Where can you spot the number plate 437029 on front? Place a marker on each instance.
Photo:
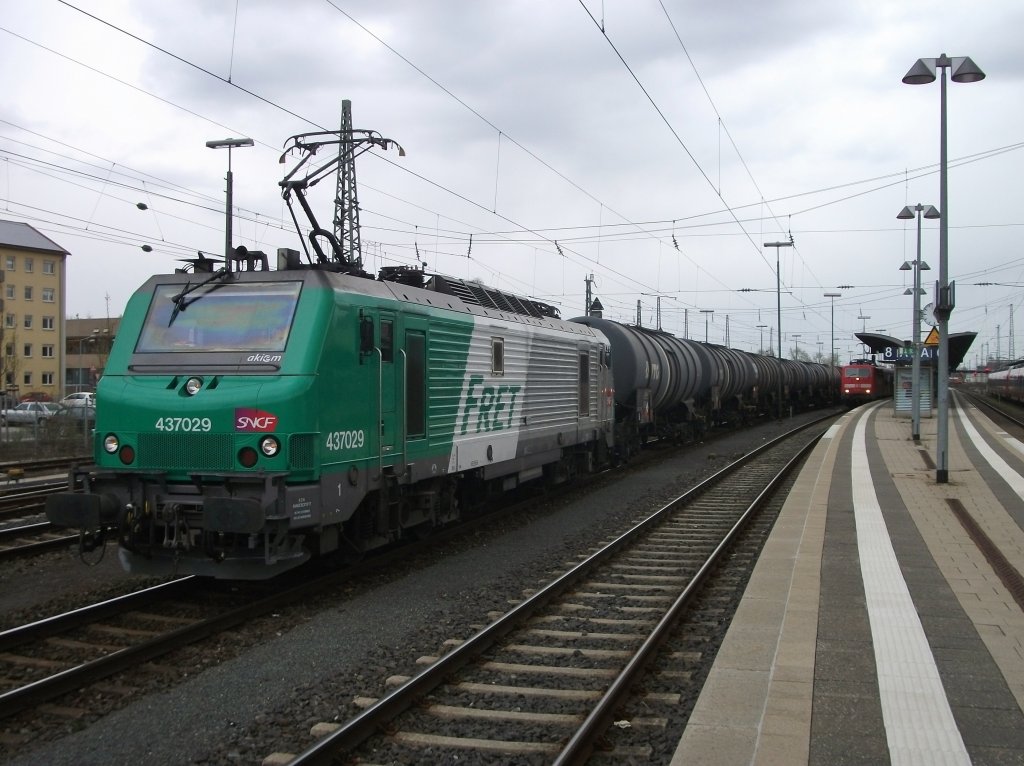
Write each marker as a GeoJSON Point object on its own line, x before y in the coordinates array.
{"type": "Point", "coordinates": [183, 424]}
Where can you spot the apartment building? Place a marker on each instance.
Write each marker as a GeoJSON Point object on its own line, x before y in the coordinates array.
{"type": "Point", "coordinates": [32, 298]}
{"type": "Point", "coordinates": [86, 351]}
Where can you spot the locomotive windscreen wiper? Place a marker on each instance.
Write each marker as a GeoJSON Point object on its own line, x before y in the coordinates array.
{"type": "Point", "coordinates": [180, 302]}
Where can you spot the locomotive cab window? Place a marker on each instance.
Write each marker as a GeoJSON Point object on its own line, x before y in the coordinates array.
{"type": "Point", "coordinates": [498, 356]}
{"type": "Point", "coordinates": [250, 316]}
{"type": "Point", "coordinates": [584, 394]}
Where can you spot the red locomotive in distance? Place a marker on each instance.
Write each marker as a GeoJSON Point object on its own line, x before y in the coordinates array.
{"type": "Point", "coordinates": [864, 381]}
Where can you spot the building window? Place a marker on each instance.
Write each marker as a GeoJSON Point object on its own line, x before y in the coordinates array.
{"type": "Point", "coordinates": [28, 350]}
{"type": "Point", "coordinates": [10, 292]}
{"type": "Point", "coordinates": [9, 263]}
{"type": "Point", "coordinates": [9, 349]}
{"type": "Point", "coordinates": [28, 265]}
{"type": "Point", "coordinates": [47, 350]}
{"type": "Point", "coordinates": [9, 321]}
{"type": "Point", "coordinates": [49, 267]}
{"type": "Point", "coordinates": [28, 321]}
{"type": "Point", "coordinates": [47, 295]}
{"type": "Point", "coordinates": [27, 379]}
{"type": "Point", "coordinates": [47, 378]}
{"type": "Point", "coordinates": [28, 292]}
{"type": "Point", "coordinates": [47, 323]}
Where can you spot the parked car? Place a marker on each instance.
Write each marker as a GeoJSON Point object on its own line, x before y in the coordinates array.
{"type": "Point", "coordinates": [79, 399]}
{"type": "Point", "coordinates": [71, 420]}
{"type": "Point", "coordinates": [36, 396]}
{"type": "Point", "coordinates": [78, 409]}
{"type": "Point", "coordinates": [28, 413]}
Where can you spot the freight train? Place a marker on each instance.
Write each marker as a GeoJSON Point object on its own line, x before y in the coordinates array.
{"type": "Point", "coordinates": [864, 381]}
{"type": "Point", "coordinates": [251, 419]}
{"type": "Point", "coordinates": [258, 418]}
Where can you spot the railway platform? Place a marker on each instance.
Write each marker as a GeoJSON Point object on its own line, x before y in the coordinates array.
{"type": "Point", "coordinates": [883, 622]}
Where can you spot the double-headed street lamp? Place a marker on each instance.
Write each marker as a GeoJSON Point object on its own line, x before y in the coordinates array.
{"type": "Point", "coordinates": [778, 307]}
{"type": "Point", "coordinates": [918, 266]}
{"type": "Point", "coordinates": [229, 144]}
{"type": "Point", "coordinates": [832, 325]}
{"type": "Point", "coordinates": [922, 73]}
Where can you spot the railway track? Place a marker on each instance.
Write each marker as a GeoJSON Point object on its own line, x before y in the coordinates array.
{"type": "Point", "coordinates": [546, 680]}
{"type": "Point", "coordinates": [22, 501]}
{"type": "Point", "coordinates": [1009, 413]}
{"type": "Point", "coordinates": [23, 532]}
{"type": "Point", "coordinates": [41, 466]}
{"type": "Point", "coordinates": [67, 653]}
{"type": "Point", "coordinates": [52, 658]}
{"type": "Point", "coordinates": [31, 539]}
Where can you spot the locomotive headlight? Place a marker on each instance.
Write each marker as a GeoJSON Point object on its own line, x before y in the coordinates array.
{"type": "Point", "coordinates": [269, 446]}
{"type": "Point", "coordinates": [111, 443]}
{"type": "Point", "coordinates": [192, 386]}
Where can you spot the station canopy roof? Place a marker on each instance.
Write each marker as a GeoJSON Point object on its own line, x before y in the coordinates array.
{"type": "Point", "coordinates": [959, 344]}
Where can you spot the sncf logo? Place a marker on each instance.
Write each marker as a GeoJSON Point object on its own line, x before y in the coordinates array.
{"type": "Point", "coordinates": [249, 419]}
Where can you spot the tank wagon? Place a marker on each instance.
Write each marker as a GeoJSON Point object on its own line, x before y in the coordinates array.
{"type": "Point", "coordinates": [672, 387]}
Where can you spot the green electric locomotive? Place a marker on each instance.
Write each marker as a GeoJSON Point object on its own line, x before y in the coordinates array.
{"type": "Point", "coordinates": [248, 420]}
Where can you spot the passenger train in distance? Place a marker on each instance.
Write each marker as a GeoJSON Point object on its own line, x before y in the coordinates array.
{"type": "Point", "coordinates": [864, 381]}
{"type": "Point", "coordinates": [1008, 383]}
{"type": "Point", "coordinates": [251, 419]}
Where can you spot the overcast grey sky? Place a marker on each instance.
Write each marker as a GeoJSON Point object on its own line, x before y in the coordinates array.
{"type": "Point", "coordinates": [659, 154]}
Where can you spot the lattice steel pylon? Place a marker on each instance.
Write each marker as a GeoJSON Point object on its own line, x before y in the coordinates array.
{"type": "Point", "coordinates": [346, 197]}
{"type": "Point", "coordinates": [1013, 352]}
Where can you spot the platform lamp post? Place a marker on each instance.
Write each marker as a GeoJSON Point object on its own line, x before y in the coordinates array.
{"type": "Point", "coordinates": [778, 307]}
{"type": "Point", "coordinates": [917, 266]}
{"type": "Point", "coordinates": [922, 73]}
{"type": "Point", "coordinates": [832, 325]}
{"type": "Point", "coordinates": [229, 144]}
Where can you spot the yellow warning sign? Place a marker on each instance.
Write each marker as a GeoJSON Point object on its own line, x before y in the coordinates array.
{"type": "Point", "coordinates": [933, 337]}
